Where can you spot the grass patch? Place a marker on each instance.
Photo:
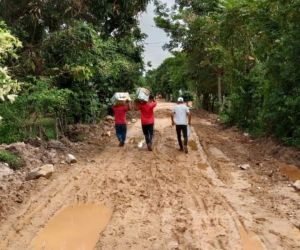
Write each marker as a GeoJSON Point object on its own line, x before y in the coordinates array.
{"type": "Point", "coordinates": [14, 132]}
{"type": "Point", "coordinates": [14, 161]}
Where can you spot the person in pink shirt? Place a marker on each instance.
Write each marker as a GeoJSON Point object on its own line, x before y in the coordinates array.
{"type": "Point", "coordinates": [120, 122]}
{"type": "Point", "coordinates": [147, 119]}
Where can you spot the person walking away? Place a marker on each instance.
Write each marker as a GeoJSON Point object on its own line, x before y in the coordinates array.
{"type": "Point", "coordinates": [120, 121]}
{"type": "Point", "coordinates": [181, 117]}
{"type": "Point", "coordinates": [147, 119]}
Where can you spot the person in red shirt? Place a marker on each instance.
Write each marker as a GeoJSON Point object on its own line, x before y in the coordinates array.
{"type": "Point", "coordinates": [120, 122]}
{"type": "Point", "coordinates": [147, 119]}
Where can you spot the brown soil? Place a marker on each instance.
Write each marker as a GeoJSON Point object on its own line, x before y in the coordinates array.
{"type": "Point", "coordinates": [166, 199]}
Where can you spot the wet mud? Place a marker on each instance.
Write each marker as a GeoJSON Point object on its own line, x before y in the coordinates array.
{"type": "Point", "coordinates": [75, 227]}
{"type": "Point", "coordinates": [164, 199]}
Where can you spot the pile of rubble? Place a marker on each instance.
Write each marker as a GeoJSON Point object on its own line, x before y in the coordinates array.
{"type": "Point", "coordinates": [36, 157]}
{"type": "Point", "coordinates": [40, 155]}
{"type": "Point", "coordinates": [43, 158]}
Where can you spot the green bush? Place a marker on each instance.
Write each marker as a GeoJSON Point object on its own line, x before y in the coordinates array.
{"type": "Point", "coordinates": [40, 110]}
{"type": "Point", "coordinates": [92, 67]}
{"type": "Point", "coordinates": [251, 48]}
{"type": "Point", "coordinates": [187, 96]}
{"type": "Point", "coordinates": [14, 161]}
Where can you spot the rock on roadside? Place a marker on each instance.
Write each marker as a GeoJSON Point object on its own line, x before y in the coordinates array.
{"type": "Point", "coordinates": [244, 166]}
{"type": "Point", "coordinates": [5, 170]}
{"type": "Point", "coordinates": [296, 185]}
{"type": "Point", "coordinates": [56, 145]}
{"type": "Point", "coordinates": [43, 171]}
{"type": "Point", "coordinates": [109, 118]}
{"type": "Point", "coordinates": [71, 159]}
{"type": "Point", "coordinates": [16, 148]}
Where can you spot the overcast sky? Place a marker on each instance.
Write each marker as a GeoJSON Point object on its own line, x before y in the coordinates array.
{"type": "Point", "coordinates": [156, 37]}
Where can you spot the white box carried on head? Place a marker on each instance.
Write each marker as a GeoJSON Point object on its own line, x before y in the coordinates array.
{"type": "Point", "coordinates": [143, 94]}
{"type": "Point", "coordinates": [120, 98]}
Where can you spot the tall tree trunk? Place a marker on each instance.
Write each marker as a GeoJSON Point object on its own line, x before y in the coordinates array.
{"type": "Point", "coordinates": [206, 102]}
{"type": "Point", "coordinates": [219, 89]}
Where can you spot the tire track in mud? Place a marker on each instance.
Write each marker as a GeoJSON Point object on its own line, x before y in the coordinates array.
{"type": "Point", "coordinates": [162, 199]}
{"type": "Point", "coordinates": [189, 217]}
{"type": "Point", "coordinates": [196, 202]}
{"type": "Point", "coordinates": [213, 200]}
{"type": "Point", "coordinates": [246, 208]}
{"type": "Point", "coordinates": [18, 230]}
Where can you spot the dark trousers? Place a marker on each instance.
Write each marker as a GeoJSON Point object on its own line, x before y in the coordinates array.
{"type": "Point", "coordinates": [183, 129]}
{"type": "Point", "coordinates": [148, 132]}
{"type": "Point", "coordinates": [121, 130]}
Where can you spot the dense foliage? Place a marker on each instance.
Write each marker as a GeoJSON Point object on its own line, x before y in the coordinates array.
{"type": "Point", "coordinates": [241, 56]}
{"type": "Point", "coordinates": [32, 20]}
{"type": "Point", "coordinates": [8, 45]}
{"type": "Point", "coordinates": [75, 54]}
{"type": "Point", "coordinates": [13, 160]}
{"type": "Point", "coordinates": [170, 78]}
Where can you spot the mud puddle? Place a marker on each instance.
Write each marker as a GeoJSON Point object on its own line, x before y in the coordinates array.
{"type": "Point", "coordinates": [202, 166]}
{"type": "Point", "coordinates": [75, 227]}
{"type": "Point", "coordinates": [193, 145]}
{"type": "Point", "coordinates": [291, 171]}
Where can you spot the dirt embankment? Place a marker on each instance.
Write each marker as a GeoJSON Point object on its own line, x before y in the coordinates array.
{"type": "Point", "coordinates": [166, 199]}
{"type": "Point", "coordinates": [82, 141]}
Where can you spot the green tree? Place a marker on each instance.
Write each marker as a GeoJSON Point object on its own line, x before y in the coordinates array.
{"type": "Point", "coordinates": [170, 77]}
{"type": "Point", "coordinates": [91, 66]}
{"type": "Point", "coordinates": [8, 45]}
{"type": "Point", "coordinates": [33, 19]}
{"type": "Point", "coordinates": [79, 52]}
{"type": "Point", "coordinates": [252, 49]}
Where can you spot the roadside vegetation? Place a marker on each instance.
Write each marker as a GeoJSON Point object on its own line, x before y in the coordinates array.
{"type": "Point", "coordinates": [61, 61]}
{"type": "Point", "coordinates": [14, 160]}
{"type": "Point", "coordinates": [239, 58]}
{"type": "Point", "coordinates": [64, 60]}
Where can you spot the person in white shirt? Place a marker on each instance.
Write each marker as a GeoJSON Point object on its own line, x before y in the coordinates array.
{"type": "Point", "coordinates": [181, 117]}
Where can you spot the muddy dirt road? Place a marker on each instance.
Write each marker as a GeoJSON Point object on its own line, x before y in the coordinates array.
{"type": "Point", "coordinates": [166, 199]}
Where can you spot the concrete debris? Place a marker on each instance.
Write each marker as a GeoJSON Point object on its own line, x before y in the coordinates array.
{"type": "Point", "coordinates": [244, 166]}
{"type": "Point", "coordinates": [109, 118]}
{"type": "Point", "coordinates": [56, 145]}
{"type": "Point", "coordinates": [36, 142]}
{"type": "Point", "coordinates": [43, 171]}
{"type": "Point", "coordinates": [5, 170]}
{"type": "Point", "coordinates": [71, 159]}
{"type": "Point", "coordinates": [296, 185]}
{"type": "Point", "coordinates": [16, 148]}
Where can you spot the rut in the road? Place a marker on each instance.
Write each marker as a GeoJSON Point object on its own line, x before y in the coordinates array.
{"type": "Point", "coordinates": [163, 199]}
{"type": "Point", "coordinates": [169, 204]}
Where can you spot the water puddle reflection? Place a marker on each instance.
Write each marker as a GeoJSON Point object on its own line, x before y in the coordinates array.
{"type": "Point", "coordinates": [292, 172]}
{"type": "Point", "coordinates": [193, 145]}
{"type": "Point", "coordinates": [202, 166]}
{"type": "Point", "coordinates": [76, 227]}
